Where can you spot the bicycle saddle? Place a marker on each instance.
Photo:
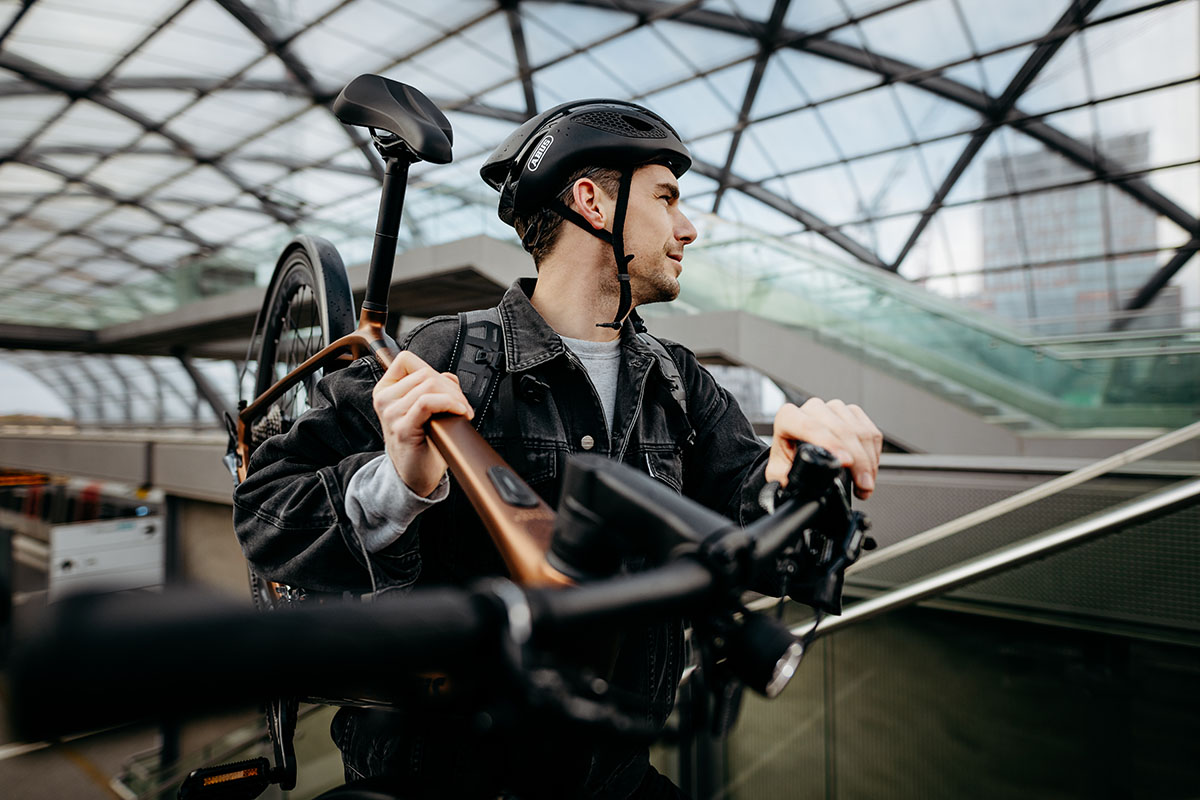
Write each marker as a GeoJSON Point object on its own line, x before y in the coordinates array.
{"type": "Point", "coordinates": [372, 101]}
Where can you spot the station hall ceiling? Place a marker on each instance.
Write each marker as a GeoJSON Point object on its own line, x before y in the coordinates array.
{"type": "Point", "coordinates": [156, 151]}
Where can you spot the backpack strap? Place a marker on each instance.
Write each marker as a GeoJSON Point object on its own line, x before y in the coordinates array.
{"type": "Point", "coordinates": [478, 358]}
{"type": "Point", "coordinates": [670, 369]}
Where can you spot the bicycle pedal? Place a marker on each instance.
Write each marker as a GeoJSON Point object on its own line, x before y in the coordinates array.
{"type": "Point", "coordinates": [242, 780]}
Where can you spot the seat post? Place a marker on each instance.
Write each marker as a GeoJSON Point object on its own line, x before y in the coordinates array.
{"type": "Point", "coordinates": [383, 253]}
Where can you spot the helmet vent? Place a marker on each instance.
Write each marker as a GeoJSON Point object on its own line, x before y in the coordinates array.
{"type": "Point", "coordinates": [621, 124]}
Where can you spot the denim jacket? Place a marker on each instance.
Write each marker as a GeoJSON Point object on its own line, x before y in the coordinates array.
{"type": "Point", "coordinates": [290, 516]}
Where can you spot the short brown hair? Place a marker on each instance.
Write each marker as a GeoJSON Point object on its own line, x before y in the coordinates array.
{"type": "Point", "coordinates": [539, 229]}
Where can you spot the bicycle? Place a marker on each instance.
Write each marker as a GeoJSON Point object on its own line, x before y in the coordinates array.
{"type": "Point", "coordinates": [305, 327]}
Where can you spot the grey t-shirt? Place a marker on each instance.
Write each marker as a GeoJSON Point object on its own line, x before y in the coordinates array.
{"type": "Point", "coordinates": [602, 360]}
{"type": "Point", "coordinates": [381, 507]}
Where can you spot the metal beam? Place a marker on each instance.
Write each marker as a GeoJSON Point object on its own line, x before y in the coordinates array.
{"type": "Point", "coordinates": [765, 50]}
{"type": "Point", "coordinates": [1158, 280]}
{"type": "Point", "coordinates": [1070, 21]}
{"type": "Point", "coordinates": [204, 388]}
{"type": "Point", "coordinates": [516, 29]}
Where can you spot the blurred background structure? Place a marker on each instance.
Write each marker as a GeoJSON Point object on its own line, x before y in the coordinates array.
{"type": "Point", "coordinates": [977, 219]}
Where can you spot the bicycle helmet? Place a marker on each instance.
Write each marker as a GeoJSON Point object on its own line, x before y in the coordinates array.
{"type": "Point", "coordinates": [531, 167]}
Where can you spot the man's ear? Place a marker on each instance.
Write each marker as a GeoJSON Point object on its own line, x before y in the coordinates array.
{"type": "Point", "coordinates": [591, 202]}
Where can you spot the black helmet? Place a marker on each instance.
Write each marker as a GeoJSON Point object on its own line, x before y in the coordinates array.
{"type": "Point", "coordinates": [531, 167]}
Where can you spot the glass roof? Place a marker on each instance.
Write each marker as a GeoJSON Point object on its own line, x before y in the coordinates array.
{"type": "Point", "coordinates": [939, 139]}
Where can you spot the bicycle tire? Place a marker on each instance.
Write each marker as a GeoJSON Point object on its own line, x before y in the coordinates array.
{"type": "Point", "coordinates": [308, 305]}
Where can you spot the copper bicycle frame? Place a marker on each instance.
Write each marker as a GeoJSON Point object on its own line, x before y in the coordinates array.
{"type": "Point", "coordinates": [521, 535]}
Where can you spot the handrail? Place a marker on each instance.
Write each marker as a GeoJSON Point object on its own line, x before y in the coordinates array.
{"type": "Point", "coordinates": [1027, 497]}
{"type": "Point", "coordinates": [1139, 509]}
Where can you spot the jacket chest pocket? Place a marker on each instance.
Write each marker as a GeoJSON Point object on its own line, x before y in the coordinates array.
{"type": "Point", "coordinates": [665, 466]}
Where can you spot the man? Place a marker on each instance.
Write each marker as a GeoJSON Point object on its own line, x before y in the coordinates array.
{"type": "Point", "coordinates": [355, 497]}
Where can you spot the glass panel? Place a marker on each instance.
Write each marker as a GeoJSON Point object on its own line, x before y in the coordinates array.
{"type": "Point", "coordinates": [510, 95]}
{"type": "Point", "coordinates": [1182, 185]}
{"type": "Point", "coordinates": [200, 41]}
{"type": "Point", "coordinates": [891, 183]}
{"type": "Point", "coordinates": [625, 58]}
{"type": "Point", "coordinates": [1117, 51]}
{"type": "Point", "coordinates": [891, 235]}
{"type": "Point", "coordinates": [127, 220]}
{"type": "Point", "coordinates": [315, 187]}
{"type": "Point", "coordinates": [202, 184]}
{"type": "Point", "coordinates": [67, 249]}
{"type": "Point", "coordinates": [155, 104]}
{"type": "Point", "coordinates": [25, 116]}
{"type": "Point", "coordinates": [554, 29]}
{"type": "Point", "coordinates": [578, 76]}
{"type": "Point", "coordinates": [72, 164]}
{"type": "Point", "coordinates": [221, 120]}
{"type": "Point", "coordinates": [22, 178]}
{"type": "Point", "coordinates": [793, 79]}
{"type": "Point", "coordinates": [459, 67]}
{"type": "Point", "coordinates": [814, 15]}
{"type": "Point", "coordinates": [313, 136]}
{"type": "Point", "coordinates": [759, 10]}
{"type": "Point", "coordinates": [256, 173]}
{"type": "Point", "coordinates": [730, 85]}
{"type": "Point", "coordinates": [703, 49]}
{"type": "Point", "coordinates": [107, 269]}
{"type": "Point", "coordinates": [1169, 117]}
{"type": "Point", "coordinates": [693, 108]}
{"type": "Point", "coordinates": [991, 75]}
{"type": "Point", "coordinates": [86, 123]}
{"type": "Point", "coordinates": [828, 193]}
{"type": "Point", "coordinates": [930, 115]}
{"type": "Point", "coordinates": [792, 142]}
{"type": "Point", "coordinates": [925, 34]}
{"type": "Point", "coordinates": [65, 284]}
{"type": "Point", "coordinates": [25, 238]}
{"type": "Point", "coordinates": [1061, 82]}
{"type": "Point", "coordinates": [864, 123]}
{"type": "Point", "coordinates": [761, 217]}
{"type": "Point", "coordinates": [473, 132]}
{"type": "Point", "coordinates": [77, 42]}
{"type": "Point", "coordinates": [987, 174]}
{"type": "Point", "coordinates": [692, 184]}
{"type": "Point", "coordinates": [170, 210]}
{"type": "Point", "coordinates": [159, 250]}
{"type": "Point", "coordinates": [70, 211]}
{"type": "Point", "coordinates": [130, 175]}
{"type": "Point", "coordinates": [219, 224]}
{"type": "Point", "coordinates": [362, 37]}
{"type": "Point", "coordinates": [993, 26]}
{"type": "Point", "coordinates": [285, 19]}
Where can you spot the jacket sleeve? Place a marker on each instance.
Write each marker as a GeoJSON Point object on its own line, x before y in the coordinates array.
{"type": "Point", "coordinates": [290, 512]}
{"type": "Point", "coordinates": [724, 467]}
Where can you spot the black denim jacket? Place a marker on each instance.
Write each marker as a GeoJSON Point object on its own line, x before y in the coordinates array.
{"type": "Point", "coordinates": [290, 517]}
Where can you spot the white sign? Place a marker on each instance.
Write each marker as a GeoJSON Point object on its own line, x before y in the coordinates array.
{"type": "Point", "coordinates": [106, 555]}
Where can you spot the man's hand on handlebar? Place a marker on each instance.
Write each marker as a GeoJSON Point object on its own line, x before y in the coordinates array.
{"type": "Point", "coordinates": [407, 395]}
{"type": "Point", "coordinates": [844, 430]}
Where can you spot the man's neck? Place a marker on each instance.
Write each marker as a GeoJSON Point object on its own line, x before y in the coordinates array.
{"type": "Point", "coordinates": [574, 292]}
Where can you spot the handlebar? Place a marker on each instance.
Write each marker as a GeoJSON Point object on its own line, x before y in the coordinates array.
{"type": "Point", "coordinates": [100, 660]}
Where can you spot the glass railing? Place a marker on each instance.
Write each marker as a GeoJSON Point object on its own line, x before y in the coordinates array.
{"type": "Point", "coordinates": [1142, 379]}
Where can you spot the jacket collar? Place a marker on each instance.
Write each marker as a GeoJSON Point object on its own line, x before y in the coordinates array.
{"type": "Point", "coordinates": [529, 340]}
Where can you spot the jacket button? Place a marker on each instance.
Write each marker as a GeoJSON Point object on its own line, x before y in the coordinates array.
{"type": "Point", "coordinates": [587, 443]}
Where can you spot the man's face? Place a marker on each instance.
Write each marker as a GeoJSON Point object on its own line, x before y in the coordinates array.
{"type": "Point", "coordinates": [656, 232]}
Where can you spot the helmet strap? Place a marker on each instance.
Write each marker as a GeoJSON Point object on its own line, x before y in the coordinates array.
{"type": "Point", "coordinates": [616, 239]}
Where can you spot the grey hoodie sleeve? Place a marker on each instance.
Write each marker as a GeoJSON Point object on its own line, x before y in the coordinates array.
{"type": "Point", "coordinates": [381, 507]}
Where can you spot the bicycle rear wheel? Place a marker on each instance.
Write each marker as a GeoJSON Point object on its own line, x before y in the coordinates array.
{"type": "Point", "coordinates": [308, 305]}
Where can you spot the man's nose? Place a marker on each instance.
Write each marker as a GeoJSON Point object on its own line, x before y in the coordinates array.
{"type": "Point", "coordinates": [685, 231]}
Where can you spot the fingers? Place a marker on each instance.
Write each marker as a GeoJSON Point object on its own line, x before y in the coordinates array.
{"type": "Point", "coordinates": [396, 392]}
{"type": "Point", "coordinates": [844, 430]}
